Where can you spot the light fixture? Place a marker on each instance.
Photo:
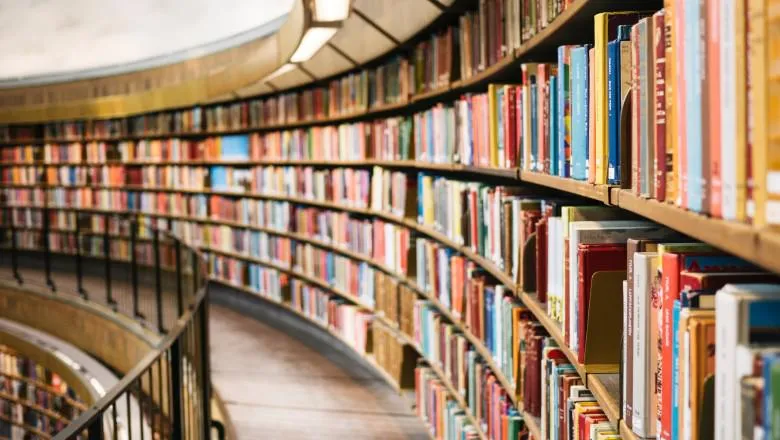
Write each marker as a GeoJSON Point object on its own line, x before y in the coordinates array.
{"type": "Point", "coordinates": [280, 71]}
{"type": "Point", "coordinates": [312, 41]}
{"type": "Point", "coordinates": [331, 10]}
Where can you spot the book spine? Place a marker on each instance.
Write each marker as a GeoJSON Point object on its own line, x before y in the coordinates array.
{"type": "Point", "coordinates": [600, 119]}
{"type": "Point", "coordinates": [682, 60]}
{"type": "Point", "coordinates": [579, 103]}
{"type": "Point", "coordinates": [659, 42]}
{"type": "Point", "coordinates": [693, 145]}
{"type": "Point", "coordinates": [613, 111]}
{"type": "Point", "coordinates": [670, 273]}
{"type": "Point", "coordinates": [742, 125]}
{"type": "Point", "coordinates": [564, 111]}
{"type": "Point", "coordinates": [593, 123]}
{"type": "Point", "coordinates": [646, 91]}
{"type": "Point", "coordinates": [642, 340]}
{"type": "Point", "coordinates": [551, 162]}
{"type": "Point", "coordinates": [670, 95]}
{"type": "Point", "coordinates": [714, 106]}
{"type": "Point", "coordinates": [636, 125]}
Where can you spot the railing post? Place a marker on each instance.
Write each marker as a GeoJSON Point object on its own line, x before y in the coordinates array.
{"type": "Point", "coordinates": [95, 430]}
{"type": "Point", "coordinates": [177, 427]}
{"type": "Point", "coordinates": [79, 268]}
{"type": "Point", "coordinates": [195, 271]}
{"type": "Point", "coordinates": [158, 280]}
{"type": "Point", "coordinates": [205, 360]}
{"type": "Point", "coordinates": [14, 251]}
{"type": "Point", "coordinates": [179, 274]}
{"type": "Point", "coordinates": [47, 249]}
{"type": "Point", "coordinates": [134, 270]}
{"type": "Point", "coordinates": [107, 255]}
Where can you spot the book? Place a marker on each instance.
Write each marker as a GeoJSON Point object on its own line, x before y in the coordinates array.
{"type": "Point", "coordinates": [605, 28]}
{"type": "Point", "coordinates": [755, 306]}
{"type": "Point", "coordinates": [580, 118]}
{"type": "Point", "coordinates": [644, 407]}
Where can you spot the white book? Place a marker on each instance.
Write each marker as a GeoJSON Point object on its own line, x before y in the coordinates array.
{"type": "Point", "coordinates": [734, 314]}
{"type": "Point", "coordinates": [643, 411]}
{"type": "Point", "coordinates": [588, 232]}
{"type": "Point", "coordinates": [627, 333]}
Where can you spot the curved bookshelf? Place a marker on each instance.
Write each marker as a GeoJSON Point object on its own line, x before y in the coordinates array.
{"type": "Point", "coordinates": [750, 243]}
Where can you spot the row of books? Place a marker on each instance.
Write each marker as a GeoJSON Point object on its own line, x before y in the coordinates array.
{"type": "Point", "coordinates": [395, 301]}
{"type": "Point", "coordinates": [33, 396]}
{"type": "Point", "coordinates": [390, 353]}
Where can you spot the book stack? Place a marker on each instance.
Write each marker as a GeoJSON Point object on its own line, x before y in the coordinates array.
{"type": "Point", "coordinates": [395, 301]}
{"type": "Point", "coordinates": [389, 354]}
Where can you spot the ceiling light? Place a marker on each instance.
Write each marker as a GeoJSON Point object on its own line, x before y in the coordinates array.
{"type": "Point", "coordinates": [331, 10]}
{"type": "Point", "coordinates": [312, 41]}
{"type": "Point", "coordinates": [280, 71]}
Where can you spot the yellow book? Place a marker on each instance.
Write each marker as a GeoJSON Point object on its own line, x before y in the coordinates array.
{"type": "Point", "coordinates": [757, 11]}
{"type": "Point", "coordinates": [493, 123]}
{"type": "Point", "coordinates": [740, 58]}
{"type": "Point", "coordinates": [579, 408]}
{"type": "Point", "coordinates": [605, 27]}
{"type": "Point", "coordinates": [772, 183]}
{"type": "Point", "coordinates": [427, 195]}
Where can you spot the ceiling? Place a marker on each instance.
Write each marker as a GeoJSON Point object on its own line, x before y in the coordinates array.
{"type": "Point", "coordinates": [43, 41]}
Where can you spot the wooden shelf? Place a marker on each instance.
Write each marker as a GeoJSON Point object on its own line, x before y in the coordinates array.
{"type": "Point", "coordinates": [606, 389]}
{"type": "Point", "coordinates": [46, 387]}
{"type": "Point", "coordinates": [34, 407]}
{"type": "Point", "coordinates": [26, 427]}
{"type": "Point", "coordinates": [534, 425]}
{"type": "Point", "coordinates": [582, 189]}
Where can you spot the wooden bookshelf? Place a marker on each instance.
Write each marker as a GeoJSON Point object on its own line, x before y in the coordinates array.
{"type": "Point", "coordinates": [26, 427]}
{"type": "Point", "coordinates": [46, 387]}
{"type": "Point", "coordinates": [583, 189]}
{"type": "Point", "coordinates": [37, 408]}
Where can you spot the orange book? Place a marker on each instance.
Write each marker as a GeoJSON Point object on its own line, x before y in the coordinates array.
{"type": "Point", "coordinates": [591, 117]}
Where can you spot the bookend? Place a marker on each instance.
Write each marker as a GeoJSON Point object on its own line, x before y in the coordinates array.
{"type": "Point", "coordinates": [528, 281]}
{"type": "Point", "coordinates": [625, 142]}
{"type": "Point", "coordinates": [406, 380]}
{"type": "Point", "coordinates": [605, 322]}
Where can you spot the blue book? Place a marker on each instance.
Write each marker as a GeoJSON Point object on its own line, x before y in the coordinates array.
{"type": "Point", "coordinates": [553, 125]}
{"type": "Point", "coordinates": [614, 103]}
{"type": "Point", "coordinates": [563, 114]}
{"type": "Point", "coordinates": [218, 177]}
{"type": "Point", "coordinates": [489, 295]}
{"type": "Point", "coordinates": [693, 135]}
{"type": "Point", "coordinates": [534, 125]}
{"type": "Point", "coordinates": [579, 113]}
{"type": "Point", "coordinates": [234, 147]}
{"type": "Point", "coordinates": [771, 364]}
{"type": "Point", "coordinates": [675, 365]}
{"type": "Point", "coordinates": [430, 153]}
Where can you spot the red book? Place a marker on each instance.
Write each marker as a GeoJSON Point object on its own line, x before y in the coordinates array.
{"type": "Point", "coordinates": [543, 102]}
{"type": "Point", "coordinates": [659, 45]}
{"type": "Point", "coordinates": [714, 281]}
{"type": "Point", "coordinates": [565, 382]}
{"type": "Point", "coordinates": [541, 260]}
{"type": "Point", "coordinates": [594, 258]}
{"type": "Point", "coordinates": [510, 129]}
{"type": "Point", "coordinates": [589, 420]}
{"type": "Point", "coordinates": [583, 432]}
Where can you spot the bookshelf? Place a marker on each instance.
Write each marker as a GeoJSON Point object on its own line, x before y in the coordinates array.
{"type": "Point", "coordinates": [753, 243]}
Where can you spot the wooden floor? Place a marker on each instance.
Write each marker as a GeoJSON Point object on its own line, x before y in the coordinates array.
{"type": "Point", "coordinates": [276, 386]}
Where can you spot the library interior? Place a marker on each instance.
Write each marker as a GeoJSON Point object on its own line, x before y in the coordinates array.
{"type": "Point", "coordinates": [389, 219]}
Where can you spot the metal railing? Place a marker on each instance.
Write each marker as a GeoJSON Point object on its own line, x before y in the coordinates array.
{"type": "Point", "coordinates": [145, 273]}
